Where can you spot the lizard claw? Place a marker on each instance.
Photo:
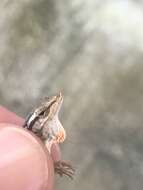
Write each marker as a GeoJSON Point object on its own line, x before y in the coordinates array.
{"type": "Point", "coordinates": [64, 168]}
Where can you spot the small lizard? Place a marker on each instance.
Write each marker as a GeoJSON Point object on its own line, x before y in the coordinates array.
{"type": "Point", "coordinates": [44, 122]}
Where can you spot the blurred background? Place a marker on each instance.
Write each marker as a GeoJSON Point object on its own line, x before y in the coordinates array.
{"type": "Point", "coordinates": [92, 51]}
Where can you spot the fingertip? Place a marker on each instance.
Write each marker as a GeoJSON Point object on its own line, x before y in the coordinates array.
{"type": "Point", "coordinates": [22, 153]}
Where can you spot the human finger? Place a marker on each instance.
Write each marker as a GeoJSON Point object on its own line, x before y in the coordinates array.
{"type": "Point", "coordinates": [24, 161]}
{"type": "Point", "coordinates": [7, 116]}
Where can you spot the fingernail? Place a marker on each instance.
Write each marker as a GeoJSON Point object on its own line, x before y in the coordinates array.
{"type": "Point", "coordinates": [24, 163]}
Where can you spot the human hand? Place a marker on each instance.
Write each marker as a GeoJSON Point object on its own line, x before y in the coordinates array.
{"type": "Point", "coordinates": [25, 163]}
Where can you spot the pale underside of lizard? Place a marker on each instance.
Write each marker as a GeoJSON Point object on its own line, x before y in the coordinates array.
{"type": "Point", "coordinates": [44, 122]}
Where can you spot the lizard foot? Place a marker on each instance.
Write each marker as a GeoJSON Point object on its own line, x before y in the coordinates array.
{"type": "Point", "coordinates": [64, 168]}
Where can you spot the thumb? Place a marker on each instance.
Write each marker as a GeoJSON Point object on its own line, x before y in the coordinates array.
{"type": "Point", "coordinates": [24, 162]}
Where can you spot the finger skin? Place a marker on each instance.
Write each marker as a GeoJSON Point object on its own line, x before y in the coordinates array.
{"type": "Point", "coordinates": [9, 117]}
{"type": "Point", "coordinates": [55, 152]}
{"type": "Point", "coordinates": [24, 162]}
